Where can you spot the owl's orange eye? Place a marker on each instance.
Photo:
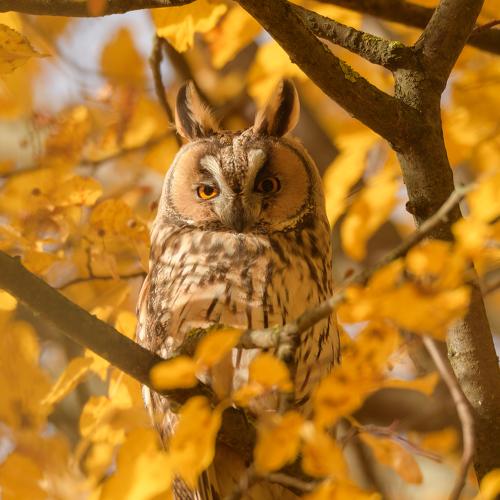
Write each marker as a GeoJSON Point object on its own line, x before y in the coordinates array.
{"type": "Point", "coordinates": [268, 185]}
{"type": "Point", "coordinates": [207, 192]}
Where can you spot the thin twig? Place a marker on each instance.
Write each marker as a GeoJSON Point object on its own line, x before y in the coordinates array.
{"type": "Point", "coordinates": [464, 411]}
{"type": "Point", "coordinates": [137, 274]}
{"type": "Point", "coordinates": [155, 61]}
{"type": "Point", "coordinates": [284, 337]}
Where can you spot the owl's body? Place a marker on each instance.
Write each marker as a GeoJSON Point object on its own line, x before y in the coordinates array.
{"type": "Point", "coordinates": [257, 257]}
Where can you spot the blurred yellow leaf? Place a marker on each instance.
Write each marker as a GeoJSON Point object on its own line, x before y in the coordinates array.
{"type": "Point", "coordinates": [364, 362]}
{"type": "Point", "coordinates": [321, 455]}
{"type": "Point", "coordinates": [77, 191]}
{"type": "Point", "coordinates": [346, 170]}
{"type": "Point", "coordinates": [192, 446]}
{"type": "Point", "coordinates": [176, 373]}
{"type": "Point", "coordinates": [413, 307]}
{"type": "Point", "coordinates": [215, 345]}
{"type": "Point", "coordinates": [270, 372]}
{"type": "Point", "coordinates": [21, 478]}
{"type": "Point", "coordinates": [76, 370]}
{"type": "Point", "coordinates": [484, 202]}
{"type": "Point", "coordinates": [395, 456]}
{"type": "Point", "coordinates": [372, 207]}
{"type": "Point", "coordinates": [340, 490]}
{"type": "Point", "coordinates": [143, 471]}
{"type": "Point", "coordinates": [278, 440]}
{"type": "Point", "coordinates": [490, 486]}
{"type": "Point", "coordinates": [20, 404]}
{"type": "Point", "coordinates": [271, 64]}
{"type": "Point", "coordinates": [425, 384]}
{"type": "Point", "coordinates": [443, 441]}
{"type": "Point", "coordinates": [7, 301]}
{"type": "Point", "coordinates": [179, 24]}
{"type": "Point", "coordinates": [161, 155]}
{"type": "Point", "coordinates": [15, 49]}
{"type": "Point", "coordinates": [126, 323]}
{"type": "Point", "coordinates": [236, 30]}
{"type": "Point", "coordinates": [120, 60]}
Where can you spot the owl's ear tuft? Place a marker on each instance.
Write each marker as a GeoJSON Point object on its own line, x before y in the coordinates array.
{"type": "Point", "coordinates": [193, 118]}
{"type": "Point", "coordinates": [281, 113]}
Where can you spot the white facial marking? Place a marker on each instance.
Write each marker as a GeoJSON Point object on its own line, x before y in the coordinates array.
{"type": "Point", "coordinates": [256, 158]}
{"type": "Point", "coordinates": [212, 165]}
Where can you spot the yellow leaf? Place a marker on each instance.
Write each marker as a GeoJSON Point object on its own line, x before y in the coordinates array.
{"type": "Point", "coordinates": [179, 24]}
{"type": "Point", "coordinates": [192, 446]}
{"type": "Point", "coordinates": [484, 201]}
{"type": "Point", "coordinates": [425, 384]}
{"type": "Point", "coordinates": [143, 470]}
{"type": "Point", "coordinates": [15, 49]}
{"type": "Point", "coordinates": [471, 235]}
{"type": "Point", "coordinates": [236, 30]}
{"type": "Point", "coordinates": [38, 262]}
{"type": "Point", "coordinates": [345, 171]}
{"type": "Point", "coordinates": [7, 301]}
{"type": "Point", "coordinates": [321, 456]}
{"type": "Point", "coordinates": [126, 323]}
{"type": "Point", "coordinates": [443, 442]}
{"type": "Point", "coordinates": [77, 191]}
{"type": "Point", "coordinates": [161, 155]}
{"type": "Point", "coordinates": [395, 456]}
{"type": "Point", "coordinates": [368, 212]}
{"type": "Point", "coordinates": [270, 372]}
{"type": "Point", "coordinates": [490, 486]}
{"type": "Point", "coordinates": [176, 373]}
{"type": "Point", "coordinates": [76, 370]}
{"type": "Point", "coordinates": [21, 477]}
{"type": "Point", "coordinates": [215, 345]}
{"type": "Point", "coordinates": [120, 60]}
{"type": "Point", "coordinates": [271, 64]}
{"type": "Point", "coordinates": [278, 440]}
{"type": "Point", "coordinates": [340, 490]}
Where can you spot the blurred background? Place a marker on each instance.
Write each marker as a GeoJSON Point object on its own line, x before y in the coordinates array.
{"type": "Point", "coordinates": [89, 108]}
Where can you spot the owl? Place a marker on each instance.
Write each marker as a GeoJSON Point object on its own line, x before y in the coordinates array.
{"type": "Point", "coordinates": [241, 239]}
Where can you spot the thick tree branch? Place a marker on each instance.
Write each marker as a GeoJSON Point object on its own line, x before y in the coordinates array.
{"type": "Point", "coordinates": [416, 16]}
{"type": "Point", "coordinates": [377, 50]}
{"type": "Point", "coordinates": [78, 8]}
{"type": "Point", "coordinates": [376, 109]}
{"type": "Point", "coordinates": [429, 181]}
{"type": "Point", "coordinates": [446, 34]}
{"type": "Point", "coordinates": [391, 10]}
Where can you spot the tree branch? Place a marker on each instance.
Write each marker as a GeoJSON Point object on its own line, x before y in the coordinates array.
{"type": "Point", "coordinates": [155, 62]}
{"type": "Point", "coordinates": [464, 411]}
{"type": "Point", "coordinates": [416, 16]}
{"type": "Point", "coordinates": [78, 8]}
{"type": "Point", "coordinates": [390, 55]}
{"type": "Point", "coordinates": [391, 10]}
{"type": "Point", "coordinates": [376, 109]}
{"type": "Point", "coordinates": [446, 34]}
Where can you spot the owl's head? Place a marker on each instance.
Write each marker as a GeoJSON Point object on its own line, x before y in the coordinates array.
{"type": "Point", "coordinates": [256, 180]}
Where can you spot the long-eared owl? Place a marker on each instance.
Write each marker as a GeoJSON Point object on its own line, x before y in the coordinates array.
{"type": "Point", "coordinates": [240, 239]}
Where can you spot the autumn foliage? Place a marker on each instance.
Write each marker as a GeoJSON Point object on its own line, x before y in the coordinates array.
{"type": "Point", "coordinates": [84, 145]}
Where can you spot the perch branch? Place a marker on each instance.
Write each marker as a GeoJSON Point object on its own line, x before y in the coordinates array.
{"type": "Point", "coordinates": [464, 411]}
{"type": "Point", "coordinates": [375, 49]}
{"type": "Point", "coordinates": [284, 337]}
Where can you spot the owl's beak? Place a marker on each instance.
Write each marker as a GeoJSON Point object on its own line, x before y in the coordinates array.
{"type": "Point", "coordinates": [236, 216]}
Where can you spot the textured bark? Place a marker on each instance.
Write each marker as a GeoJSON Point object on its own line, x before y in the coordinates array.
{"type": "Point", "coordinates": [429, 181]}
